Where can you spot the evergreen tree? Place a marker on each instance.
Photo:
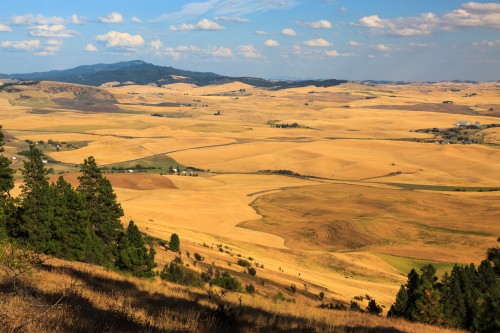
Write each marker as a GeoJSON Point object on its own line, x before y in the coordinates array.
{"type": "Point", "coordinates": [6, 172]}
{"type": "Point", "coordinates": [427, 308]}
{"type": "Point", "coordinates": [453, 299]}
{"type": "Point", "coordinates": [493, 255]}
{"type": "Point", "coordinates": [355, 307]}
{"type": "Point", "coordinates": [468, 283]}
{"type": "Point", "coordinates": [373, 308]}
{"type": "Point", "coordinates": [487, 319]}
{"type": "Point", "coordinates": [412, 290]}
{"type": "Point", "coordinates": [71, 235]}
{"type": "Point", "coordinates": [35, 214]}
{"type": "Point", "coordinates": [174, 244]}
{"type": "Point", "coordinates": [400, 306]}
{"type": "Point", "coordinates": [6, 184]}
{"type": "Point", "coordinates": [104, 212]}
{"type": "Point", "coordinates": [133, 255]}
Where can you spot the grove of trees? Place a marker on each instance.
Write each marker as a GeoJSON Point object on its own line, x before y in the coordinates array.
{"type": "Point", "coordinates": [467, 298]}
{"type": "Point", "coordinates": [81, 224]}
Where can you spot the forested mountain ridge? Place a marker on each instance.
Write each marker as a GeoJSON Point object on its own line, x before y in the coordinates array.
{"type": "Point", "coordinates": [140, 72]}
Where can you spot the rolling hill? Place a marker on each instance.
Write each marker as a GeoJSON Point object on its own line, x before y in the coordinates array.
{"type": "Point", "coordinates": [141, 72]}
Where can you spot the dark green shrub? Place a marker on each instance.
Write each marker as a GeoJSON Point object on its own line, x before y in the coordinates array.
{"type": "Point", "coordinates": [252, 271]}
{"type": "Point", "coordinates": [355, 306]}
{"type": "Point", "coordinates": [250, 289]}
{"type": "Point", "coordinates": [178, 274]}
{"type": "Point", "coordinates": [244, 263]}
{"type": "Point", "coordinates": [373, 308]}
{"type": "Point", "coordinates": [228, 282]}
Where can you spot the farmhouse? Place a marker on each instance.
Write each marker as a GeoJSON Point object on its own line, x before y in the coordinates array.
{"type": "Point", "coordinates": [462, 123]}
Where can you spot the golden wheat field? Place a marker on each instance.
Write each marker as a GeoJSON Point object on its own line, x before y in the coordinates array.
{"type": "Point", "coordinates": [331, 189]}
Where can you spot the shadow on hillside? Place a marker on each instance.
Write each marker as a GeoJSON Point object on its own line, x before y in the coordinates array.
{"type": "Point", "coordinates": [221, 317]}
{"type": "Point", "coordinates": [77, 314]}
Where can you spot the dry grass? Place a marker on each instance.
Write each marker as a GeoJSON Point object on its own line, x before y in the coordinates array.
{"type": "Point", "coordinates": [77, 297]}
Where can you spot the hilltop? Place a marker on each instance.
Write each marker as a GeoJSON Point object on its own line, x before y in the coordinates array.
{"type": "Point", "coordinates": [140, 72]}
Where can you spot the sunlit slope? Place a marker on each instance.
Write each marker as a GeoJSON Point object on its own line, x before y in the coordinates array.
{"type": "Point", "coordinates": [447, 227]}
{"type": "Point", "coordinates": [393, 161]}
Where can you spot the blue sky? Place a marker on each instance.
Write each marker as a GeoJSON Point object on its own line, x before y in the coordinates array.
{"type": "Point", "coordinates": [344, 39]}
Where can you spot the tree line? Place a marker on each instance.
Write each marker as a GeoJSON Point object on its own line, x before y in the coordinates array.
{"type": "Point", "coordinates": [467, 298]}
{"type": "Point", "coordinates": [80, 224]}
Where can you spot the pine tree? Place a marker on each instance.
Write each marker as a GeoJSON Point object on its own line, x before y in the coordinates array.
{"type": "Point", "coordinates": [428, 308]}
{"type": "Point", "coordinates": [70, 228]}
{"type": "Point", "coordinates": [453, 299]}
{"type": "Point", "coordinates": [133, 255]}
{"type": "Point", "coordinates": [174, 244]}
{"type": "Point", "coordinates": [400, 306]}
{"type": "Point", "coordinates": [6, 184]}
{"type": "Point", "coordinates": [6, 172]}
{"type": "Point", "coordinates": [35, 214]}
{"type": "Point", "coordinates": [468, 283]}
{"type": "Point", "coordinates": [493, 255]}
{"type": "Point", "coordinates": [373, 308]}
{"type": "Point", "coordinates": [104, 212]}
{"type": "Point", "coordinates": [487, 319]}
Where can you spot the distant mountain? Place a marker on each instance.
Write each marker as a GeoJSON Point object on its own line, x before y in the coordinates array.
{"type": "Point", "coordinates": [141, 72]}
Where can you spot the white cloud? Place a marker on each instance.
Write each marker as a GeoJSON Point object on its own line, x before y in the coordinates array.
{"type": "Point", "coordinates": [300, 51]}
{"type": "Point", "coordinates": [174, 53]}
{"type": "Point", "coordinates": [90, 48]}
{"type": "Point", "coordinates": [321, 24]}
{"type": "Point", "coordinates": [135, 19]}
{"type": "Point", "coordinates": [488, 43]}
{"type": "Point", "coordinates": [231, 19]}
{"type": "Point", "coordinates": [4, 28]}
{"type": "Point", "coordinates": [156, 44]}
{"type": "Point", "coordinates": [75, 19]}
{"type": "Point", "coordinates": [288, 32]}
{"type": "Point", "coordinates": [260, 32]}
{"type": "Point", "coordinates": [183, 48]}
{"type": "Point", "coordinates": [371, 56]}
{"type": "Point", "coordinates": [113, 18]}
{"type": "Point", "coordinates": [343, 10]}
{"type": "Point", "coordinates": [195, 10]}
{"type": "Point", "coordinates": [334, 53]}
{"type": "Point", "coordinates": [353, 43]}
{"type": "Point", "coordinates": [182, 27]}
{"type": "Point", "coordinates": [171, 52]}
{"type": "Point", "coordinates": [220, 52]}
{"type": "Point", "coordinates": [271, 42]}
{"type": "Point", "coordinates": [422, 25]}
{"type": "Point", "coordinates": [121, 40]}
{"type": "Point", "coordinates": [51, 47]}
{"type": "Point", "coordinates": [249, 51]}
{"type": "Point", "coordinates": [25, 45]}
{"type": "Point", "coordinates": [383, 48]}
{"type": "Point", "coordinates": [204, 25]}
{"type": "Point", "coordinates": [317, 42]}
{"type": "Point", "coordinates": [30, 19]}
{"type": "Point", "coordinates": [51, 31]}
{"type": "Point", "coordinates": [470, 15]}
{"type": "Point", "coordinates": [372, 21]}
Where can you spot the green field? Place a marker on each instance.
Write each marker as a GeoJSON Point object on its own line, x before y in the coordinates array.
{"type": "Point", "coordinates": [405, 265]}
{"type": "Point", "coordinates": [154, 164]}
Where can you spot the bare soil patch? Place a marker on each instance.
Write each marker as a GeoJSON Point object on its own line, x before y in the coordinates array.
{"type": "Point", "coordinates": [132, 181]}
